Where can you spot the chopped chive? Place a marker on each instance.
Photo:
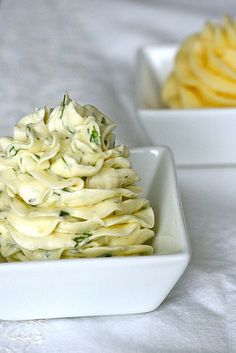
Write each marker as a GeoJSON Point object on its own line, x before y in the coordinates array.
{"type": "Point", "coordinates": [63, 213]}
{"type": "Point", "coordinates": [66, 190]}
{"type": "Point", "coordinates": [105, 255]}
{"type": "Point", "coordinates": [64, 160]}
{"type": "Point", "coordinates": [12, 151]}
{"type": "Point", "coordinates": [83, 236]}
{"type": "Point", "coordinates": [103, 121]}
{"type": "Point", "coordinates": [78, 240]}
{"type": "Point", "coordinates": [88, 234]}
{"type": "Point", "coordinates": [56, 193]}
{"type": "Point", "coordinates": [94, 136]}
{"type": "Point", "coordinates": [31, 201]}
{"type": "Point", "coordinates": [65, 101]}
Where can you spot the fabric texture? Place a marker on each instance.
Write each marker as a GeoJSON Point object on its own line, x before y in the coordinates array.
{"type": "Point", "coordinates": [89, 49]}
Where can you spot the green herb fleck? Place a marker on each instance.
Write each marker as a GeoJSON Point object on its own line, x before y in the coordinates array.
{"type": "Point", "coordinates": [64, 160]}
{"type": "Point", "coordinates": [28, 131]}
{"type": "Point", "coordinates": [94, 136]}
{"type": "Point", "coordinates": [66, 190]}
{"type": "Point", "coordinates": [56, 193]}
{"type": "Point", "coordinates": [63, 214]}
{"type": "Point", "coordinates": [62, 106]}
{"type": "Point", "coordinates": [103, 121]}
{"type": "Point", "coordinates": [105, 255]}
{"type": "Point", "coordinates": [77, 240]}
{"type": "Point", "coordinates": [32, 201]}
{"type": "Point", "coordinates": [80, 238]}
{"type": "Point", "coordinates": [12, 151]}
{"type": "Point", "coordinates": [87, 234]}
{"type": "Point", "coordinates": [66, 100]}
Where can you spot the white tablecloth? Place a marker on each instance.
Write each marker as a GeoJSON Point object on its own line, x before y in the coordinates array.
{"type": "Point", "coordinates": [88, 48]}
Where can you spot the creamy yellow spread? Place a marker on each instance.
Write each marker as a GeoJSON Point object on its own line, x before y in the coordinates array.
{"type": "Point", "coordinates": [204, 72]}
{"type": "Point", "coordinates": [66, 190]}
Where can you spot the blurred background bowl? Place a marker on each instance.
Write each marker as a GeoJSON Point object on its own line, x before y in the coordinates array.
{"type": "Point", "coordinates": [196, 136]}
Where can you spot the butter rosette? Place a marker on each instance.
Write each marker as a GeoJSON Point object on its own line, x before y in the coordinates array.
{"type": "Point", "coordinates": [66, 190]}
{"type": "Point", "coordinates": [204, 72]}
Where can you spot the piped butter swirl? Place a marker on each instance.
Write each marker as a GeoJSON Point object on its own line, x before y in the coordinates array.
{"type": "Point", "coordinates": [204, 72]}
{"type": "Point", "coordinates": [66, 190]}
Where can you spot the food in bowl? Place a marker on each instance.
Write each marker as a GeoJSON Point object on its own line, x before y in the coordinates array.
{"type": "Point", "coordinates": [66, 190]}
{"type": "Point", "coordinates": [204, 71]}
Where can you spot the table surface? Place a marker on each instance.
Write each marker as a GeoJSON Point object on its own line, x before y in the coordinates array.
{"type": "Point", "coordinates": [88, 48]}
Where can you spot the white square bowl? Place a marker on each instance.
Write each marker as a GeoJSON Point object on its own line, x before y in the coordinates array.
{"type": "Point", "coordinates": [196, 136]}
{"type": "Point", "coordinates": [107, 286]}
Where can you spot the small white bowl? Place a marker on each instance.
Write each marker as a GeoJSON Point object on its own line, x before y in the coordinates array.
{"type": "Point", "coordinates": [105, 286]}
{"type": "Point", "coordinates": [196, 136]}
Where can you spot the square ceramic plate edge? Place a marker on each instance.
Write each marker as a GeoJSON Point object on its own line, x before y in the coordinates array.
{"type": "Point", "coordinates": [167, 155]}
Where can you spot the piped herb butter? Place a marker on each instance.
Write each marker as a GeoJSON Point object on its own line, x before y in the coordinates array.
{"type": "Point", "coordinates": [66, 190]}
